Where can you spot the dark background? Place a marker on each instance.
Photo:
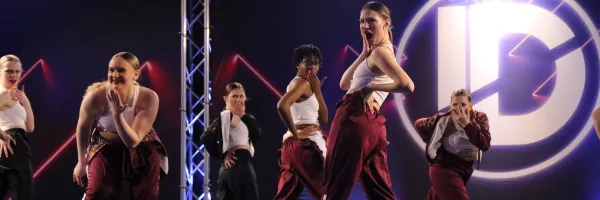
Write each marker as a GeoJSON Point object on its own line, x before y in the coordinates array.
{"type": "Point", "coordinates": [260, 35]}
{"type": "Point", "coordinates": [76, 39]}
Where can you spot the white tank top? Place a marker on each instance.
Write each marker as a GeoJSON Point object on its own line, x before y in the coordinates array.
{"type": "Point", "coordinates": [363, 76]}
{"type": "Point", "coordinates": [305, 112]}
{"type": "Point", "coordinates": [239, 135]}
{"type": "Point", "coordinates": [14, 117]}
{"type": "Point", "coordinates": [108, 123]}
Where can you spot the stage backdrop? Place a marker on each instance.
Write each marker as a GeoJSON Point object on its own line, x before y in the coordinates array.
{"type": "Point", "coordinates": [531, 65]}
{"type": "Point", "coordinates": [71, 42]}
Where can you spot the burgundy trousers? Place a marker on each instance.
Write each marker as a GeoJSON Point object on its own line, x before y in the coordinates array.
{"type": "Point", "coordinates": [111, 165]}
{"type": "Point", "coordinates": [448, 177]}
{"type": "Point", "coordinates": [302, 165]}
{"type": "Point", "coordinates": [356, 149]}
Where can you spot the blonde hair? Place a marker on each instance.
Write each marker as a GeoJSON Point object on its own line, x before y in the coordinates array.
{"type": "Point", "coordinates": [9, 58]}
{"type": "Point", "coordinates": [129, 57]}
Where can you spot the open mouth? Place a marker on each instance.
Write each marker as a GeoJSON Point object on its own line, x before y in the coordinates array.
{"type": "Point", "coordinates": [368, 35]}
{"type": "Point", "coordinates": [115, 81]}
{"type": "Point", "coordinates": [12, 81]}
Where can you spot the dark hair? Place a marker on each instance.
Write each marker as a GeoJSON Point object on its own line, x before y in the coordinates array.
{"type": "Point", "coordinates": [460, 93]}
{"type": "Point", "coordinates": [232, 86]}
{"type": "Point", "coordinates": [310, 52]}
{"type": "Point", "coordinates": [383, 11]}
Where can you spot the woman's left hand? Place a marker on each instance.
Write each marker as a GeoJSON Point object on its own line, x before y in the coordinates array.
{"type": "Point", "coordinates": [116, 107]}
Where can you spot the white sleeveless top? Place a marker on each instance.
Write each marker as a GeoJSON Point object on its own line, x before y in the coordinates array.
{"type": "Point", "coordinates": [239, 135]}
{"type": "Point", "coordinates": [363, 76]}
{"type": "Point", "coordinates": [305, 112]}
{"type": "Point", "coordinates": [107, 122]}
{"type": "Point", "coordinates": [14, 117]}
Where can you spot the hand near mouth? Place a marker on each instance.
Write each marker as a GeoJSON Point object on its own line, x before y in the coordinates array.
{"type": "Point", "coordinates": [18, 95]}
{"type": "Point", "coordinates": [115, 102]}
{"type": "Point", "coordinates": [367, 48]}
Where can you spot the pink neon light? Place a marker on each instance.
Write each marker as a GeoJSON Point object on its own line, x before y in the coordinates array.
{"type": "Point", "coordinates": [523, 40]}
{"type": "Point", "coordinates": [542, 85]}
{"type": "Point", "coordinates": [38, 63]}
{"type": "Point", "coordinates": [588, 41]}
{"type": "Point", "coordinates": [56, 153]}
{"type": "Point", "coordinates": [554, 74]}
{"type": "Point", "coordinates": [238, 57]}
{"type": "Point", "coordinates": [146, 64]}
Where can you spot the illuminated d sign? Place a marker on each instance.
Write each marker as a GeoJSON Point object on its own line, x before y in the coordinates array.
{"type": "Point", "coordinates": [469, 40]}
{"type": "Point", "coordinates": [488, 23]}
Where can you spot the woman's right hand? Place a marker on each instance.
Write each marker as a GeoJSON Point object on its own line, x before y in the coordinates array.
{"type": "Point", "coordinates": [78, 174]}
{"type": "Point", "coordinates": [5, 147]}
{"type": "Point", "coordinates": [238, 108]}
{"type": "Point", "coordinates": [367, 48]}
{"type": "Point", "coordinates": [307, 132]}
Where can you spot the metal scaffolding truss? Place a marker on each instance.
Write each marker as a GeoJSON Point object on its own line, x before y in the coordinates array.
{"type": "Point", "coordinates": [195, 98]}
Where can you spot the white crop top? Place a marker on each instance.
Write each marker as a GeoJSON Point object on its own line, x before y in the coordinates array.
{"type": "Point", "coordinates": [14, 117]}
{"type": "Point", "coordinates": [107, 122]}
{"type": "Point", "coordinates": [363, 76]}
{"type": "Point", "coordinates": [239, 135]}
{"type": "Point", "coordinates": [305, 112]}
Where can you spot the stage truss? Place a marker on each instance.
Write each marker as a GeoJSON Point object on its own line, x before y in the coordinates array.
{"type": "Point", "coordinates": [195, 101]}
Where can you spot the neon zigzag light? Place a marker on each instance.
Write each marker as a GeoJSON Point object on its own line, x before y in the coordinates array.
{"type": "Point", "coordinates": [554, 74]}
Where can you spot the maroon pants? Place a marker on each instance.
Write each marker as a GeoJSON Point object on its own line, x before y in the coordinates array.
{"type": "Point", "coordinates": [356, 148]}
{"type": "Point", "coordinates": [111, 165]}
{"type": "Point", "coordinates": [448, 177]}
{"type": "Point", "coordinates": [302, 166]}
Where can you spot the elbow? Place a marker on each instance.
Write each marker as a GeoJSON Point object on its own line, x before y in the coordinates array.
{"type": "Point", "coordinates": [281, 106]}
{"type": "Point", "coordinates": [485, 148]}
{"type": "Point", "coordinates": [323, 120]}
{"type": "Point", "coordinates": [344, 85]}
{"type": "Point", "coordinates": [29, 128]}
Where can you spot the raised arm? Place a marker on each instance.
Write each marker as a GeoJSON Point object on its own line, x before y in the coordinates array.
{"type": "Point", "coordinates": [478, 131]}
{"type": "Point", "coordinates": [384, 59]}
{"type": "Point", "coordinates": [143, 122]}
{"type": "Point", "coordinates": [347, 76]}
{"type": "Point", "coordinates": [315, 85]}
{"type": "Point", "coordinates": [425, 127]}
{"type": "Point", "coordinates": [299, 86]}
{"type": "Point", "coordinates": [254, 129]}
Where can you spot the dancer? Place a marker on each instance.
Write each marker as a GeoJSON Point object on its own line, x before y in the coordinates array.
{"type": "Point", "coordinates": [454, 141]}
{"type": "Point", "coordinates": [16, 120]}
{"type": "Point", "coordinates": [231, 137]}
{"type": "Point", "coordinates": [302, 109]}
{"type": "Point", "coordinates": [123, 145]}
{"type": "Point", "coordinates": [356, 147]}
